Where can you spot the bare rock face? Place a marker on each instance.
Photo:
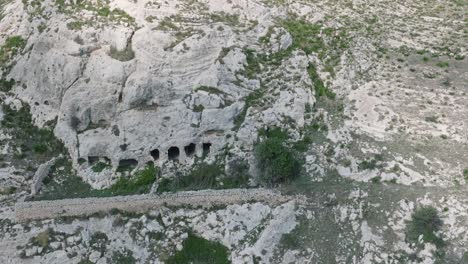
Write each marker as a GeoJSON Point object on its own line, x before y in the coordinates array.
{"type": "Point", "coordinates": [369, 96]}
{"type": "Point", "coordinates": [125, 86]}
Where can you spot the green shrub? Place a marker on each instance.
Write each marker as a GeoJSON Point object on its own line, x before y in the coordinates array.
{"type": "Point", "coordinates": [100, 166]}
{"type": "Point", "coordinates": [11, 47]}
{"type": "Point", "coordinates": [442, 64]}
{"type": "Point", "coordinates": [203, 176]}
{"type": "Point", "coordinates": [99, 241]}
{"type": "Point", "coordinates": [5, 86]}
{"type": "Point", "coordinates": [319, 86]}
{"type": "Point", "coordinates": [75, 25]}
{"type": "Point", "coordinates": [62, 184]}
{"type": "Point", "coordinates": [25, 135]}
{"type": "Point", "coordinates": [126, 54]}
{"type": "Point", "coordinates": [238, 175]}
{"type": "Point", "coordinates": [426, 222]}
{"type": "Point", "coordinates": [140, 183]}
{"type": "Point", "coordinates": [198, 108]}
{"type": "Point", "coordinates": [305, 35]}
{"type": "Point", "coordinates": [42, 239]}
{"type": "Point", "coordinates": [199, 250]}
{"type": "Point", "coordinates": [276, 162]}
{"type": "Point", "coordinates": [105, 12]}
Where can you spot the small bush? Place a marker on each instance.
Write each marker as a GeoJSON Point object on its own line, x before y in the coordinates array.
{"type": "Point", "coordinates": [319, 86]}
{"type": "Point", "coordinates": [100, 166]}
{"type": "Point", "coordinates": [238, 175]}
{"type": "Point", "coordinates": [6, 86]}
{"type": "Point", "coordinates": [140, 183]}
{"type": "Point", "coordinates": [126, 54]}
{"type": "Point", "coordinates": [75, 25]}
{"type": "Point", "coordinates": [99, 241]}
{"type": "Point", "coordinates": [198, 108]}
{"type": "Point", "coordinates": [104, 12]}
{"type": "Point", "coordinates": [426, 222]}
{"type": "Point", "coordinates": [42, 239]}
{"type": "Point", "coordinates": [11, 47]}
{"type": "Point", "coordinates": [203, 176]}
{"type": "Point", "coordinates": [276, 162]}
{"type": "Point", "coordinates": [442, 64]}
{"type": "Point", "coordinates": [123, 257]}
{"type": "Point", "coordinates": [199, 250]}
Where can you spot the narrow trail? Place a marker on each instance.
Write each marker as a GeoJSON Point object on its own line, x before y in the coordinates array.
{"type": "Point", "coordinates": [37, 210]}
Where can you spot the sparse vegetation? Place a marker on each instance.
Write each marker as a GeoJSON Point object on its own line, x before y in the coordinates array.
{"type": "Point", "coordinates": [64, 183]}
{"type": "Point", "coordinates": [250, 100]}
{"type": "Point", "coordinates": [199, 250]}
{"type": "Point", "coordinates": [123, 257]}
{"type": "Point", "coordinates": [10, 48]}
{"type": "Point", "coordinates": [319, 86]}
{"type": "Point", "coordinates": [203, 176]}
{"type": "Point", "coordinates": [32, 142]}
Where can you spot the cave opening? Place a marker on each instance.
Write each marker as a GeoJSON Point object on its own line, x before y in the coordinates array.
{"type": "Point", "coordinates": [155, 154]}
{"type": "Point", "coordinates": [173, 153]}
{"type": "Point", "coordinates": [190, 149]}
{"type": "Point", "coordinates": [127, 165]}
{"type": "Point", "coordinates": [206, 148]}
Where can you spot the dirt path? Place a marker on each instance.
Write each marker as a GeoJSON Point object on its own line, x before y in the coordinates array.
{"type": "Point", "coordinates": [139, 203]}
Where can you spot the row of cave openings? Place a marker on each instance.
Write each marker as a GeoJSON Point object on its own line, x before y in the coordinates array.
{"type": "Point", "coordinates": [173, 154]}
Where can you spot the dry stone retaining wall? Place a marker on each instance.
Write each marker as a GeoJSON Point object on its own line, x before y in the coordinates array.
{"type": "Point", "coordinates": [139, 203]}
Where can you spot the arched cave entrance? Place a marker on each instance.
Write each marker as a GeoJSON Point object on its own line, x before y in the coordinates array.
{"type": "Point", "coordinates": [190, 149]}
{"type": "Point", "coordinates": [206, 148]}
{"type": "Point", "coordinates": [173, 153]}
{"type": "Point", "coordinates": [155, 154]}
{"type": "Point", "coordinates": [127, 165]}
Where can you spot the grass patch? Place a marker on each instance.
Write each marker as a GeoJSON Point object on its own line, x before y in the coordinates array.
{"type": "Point", "coordinates": [199, 250]}
{"type": "Point", "coordinates": [64, 183]}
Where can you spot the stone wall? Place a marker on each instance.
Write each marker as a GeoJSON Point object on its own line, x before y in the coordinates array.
{"type": "Point", "coordinates": [140, 203]}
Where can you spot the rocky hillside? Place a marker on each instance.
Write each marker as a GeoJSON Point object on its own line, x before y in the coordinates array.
{"type": "Point", "coordinates": [356, 110]}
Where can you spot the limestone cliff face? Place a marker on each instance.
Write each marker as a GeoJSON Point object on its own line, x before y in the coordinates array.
{"type": "Point", "coordinates": [126, 86]}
